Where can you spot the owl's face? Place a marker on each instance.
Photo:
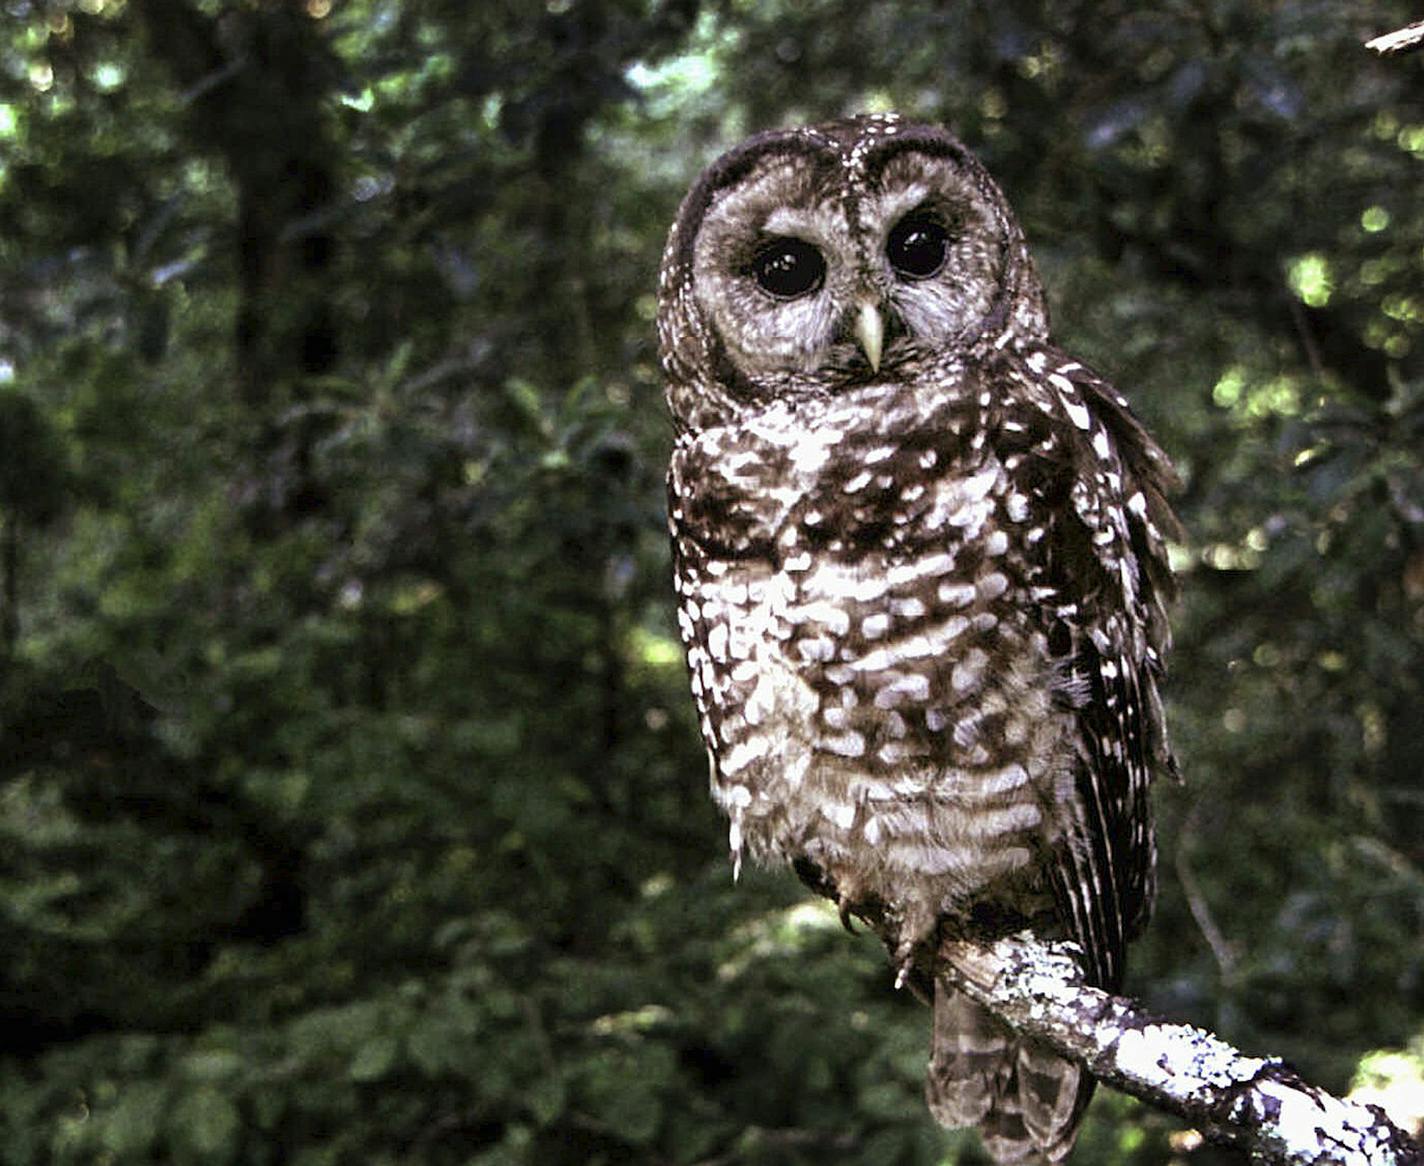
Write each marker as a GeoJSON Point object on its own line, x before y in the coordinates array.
{"type": "Point", "coordinates": [832, 255]}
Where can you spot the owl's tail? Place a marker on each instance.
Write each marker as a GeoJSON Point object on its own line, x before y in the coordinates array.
{"type": "Point", "coordinates": [1025, 1100]}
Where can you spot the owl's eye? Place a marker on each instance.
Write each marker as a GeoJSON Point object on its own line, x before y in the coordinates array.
{"type": "Point", "coordinates": [788, 268]}
{"type": "Point", "coordinates": [917, 246]}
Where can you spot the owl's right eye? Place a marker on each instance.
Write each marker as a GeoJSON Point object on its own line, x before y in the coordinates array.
{"type": "Point", "coordinates": [788, 268]}
{"type": "Point", "coordinates": [917, 247]}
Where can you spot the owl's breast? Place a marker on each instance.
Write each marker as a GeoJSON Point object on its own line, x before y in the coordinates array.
{"type": "Point", "coordinates": [855, 588]}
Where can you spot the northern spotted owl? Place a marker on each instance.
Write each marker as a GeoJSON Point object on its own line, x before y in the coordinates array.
{"type": "Point", "coordinates": [921, 573]}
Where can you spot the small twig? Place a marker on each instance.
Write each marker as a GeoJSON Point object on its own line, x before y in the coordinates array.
{"type": "Point", "coordinates": [1254, 1102]}
{"type": "Point", "coordinates": [210, 81]}
{"type": "Point", "coordinates": [1401, 40]}
{"type": "Point", "coordinates": [1221, 947]}
{"type": "Point", "coordinates": [1307, 338]}
{"type": "Point", "coordinates": [440, 371]}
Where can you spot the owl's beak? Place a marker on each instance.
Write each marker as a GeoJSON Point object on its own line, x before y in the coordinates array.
{"type": "Point", "coordinates": [870, 332]}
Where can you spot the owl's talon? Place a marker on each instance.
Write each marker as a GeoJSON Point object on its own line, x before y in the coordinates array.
{"type": "Point", "coordinates": [845, 915]}
{"type": "Point", "coordinates": [904, 962]}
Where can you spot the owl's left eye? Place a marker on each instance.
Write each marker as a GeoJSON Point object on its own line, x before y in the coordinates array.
{"type": "Point", "coordinates": [788, 268]}
{"type": "Point", "coordinates": [917, 246]}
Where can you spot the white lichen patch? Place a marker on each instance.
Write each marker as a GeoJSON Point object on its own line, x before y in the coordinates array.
{"type": "Point", "coordinates": [1303, 1124]}
{"type": "Point", "coordinates": [1193, 1058]}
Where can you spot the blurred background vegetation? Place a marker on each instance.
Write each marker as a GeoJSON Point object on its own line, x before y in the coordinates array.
{"type": "Point", "coordinates": [351, 806]}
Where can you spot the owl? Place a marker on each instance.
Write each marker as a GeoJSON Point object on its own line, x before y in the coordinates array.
{"type": "Point", "coordinates": [921, 575]}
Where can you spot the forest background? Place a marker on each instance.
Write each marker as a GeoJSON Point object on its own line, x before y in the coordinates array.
{"type": "Point", "coordinates": [351, 803]}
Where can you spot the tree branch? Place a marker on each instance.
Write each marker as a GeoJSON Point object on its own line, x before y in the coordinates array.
{"type": "Point", "coordinates": [1401, 40]}
{"type": "Point", "coordinates": [1256, 1103]}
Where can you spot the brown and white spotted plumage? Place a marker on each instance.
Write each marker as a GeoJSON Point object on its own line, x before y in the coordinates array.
{"type": "Point", "coordinates": [920, 565]}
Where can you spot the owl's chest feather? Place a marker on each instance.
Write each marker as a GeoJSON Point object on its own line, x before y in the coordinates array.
{"type": "Point", "coordinates": [854, 598]}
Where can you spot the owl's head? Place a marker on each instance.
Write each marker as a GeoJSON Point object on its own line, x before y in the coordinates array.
{"type": "Point", "coordinates": [815, 258]}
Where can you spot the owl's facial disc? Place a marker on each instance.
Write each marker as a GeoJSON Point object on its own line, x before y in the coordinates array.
{"type": "Point", "coordinates": [809, 271]}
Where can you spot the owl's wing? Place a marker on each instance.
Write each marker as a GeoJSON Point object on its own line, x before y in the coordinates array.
{"type": "Point", "coordinates": [1100, 485]}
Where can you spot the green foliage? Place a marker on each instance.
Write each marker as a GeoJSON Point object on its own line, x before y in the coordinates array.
{"type": "Point", "coordinates": [351, 804]}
